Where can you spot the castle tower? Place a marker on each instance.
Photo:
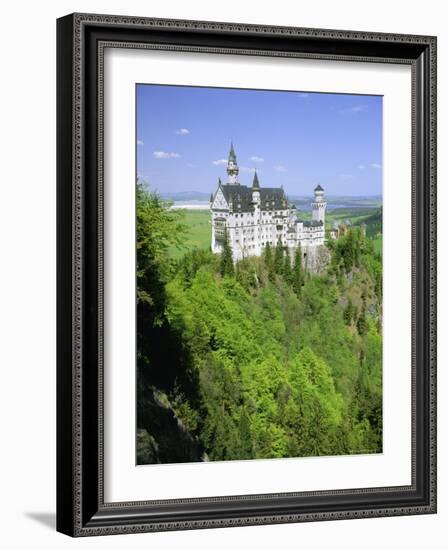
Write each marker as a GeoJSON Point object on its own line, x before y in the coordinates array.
{"type": "Point", "coordinates": [232, 167]}
{"type": "Point", "coordinates": [256, 202]}
{"type": "Point", "coordinates": [319, 205]}
{"type": "Point", "coordinates": [256, 199]}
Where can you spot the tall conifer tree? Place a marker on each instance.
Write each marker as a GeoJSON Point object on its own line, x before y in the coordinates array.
{"type": "Point", "coordinates": [227, 267]}
{"type": "Point", "coordinates": [297, 274]}
{"type": "Point", "coordinates": [278, 258]}
{"type": "Point", "coordinates": [268, 256]}
{"type": "Point", "coordinates": [269, 262]}
{"type": "Point", "coordinates": [349, 313]}
{"type": "Point", "coordinates": [362, 321]}
{"type": "Point", "coordinates": [287, 270]}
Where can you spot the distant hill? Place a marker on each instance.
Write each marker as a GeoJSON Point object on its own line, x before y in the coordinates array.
{"type": "Point", "coordinates": [338, 202]}
{"type": "Point", "coordinates": [301, 202]}
{"type": "Point", "coordinates": [183, 196]}
{"type": "Point", "coordinates": [374, 223]}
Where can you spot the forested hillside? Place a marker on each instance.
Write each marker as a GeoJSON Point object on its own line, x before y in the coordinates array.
{"type": "Point", "coordinates": [373, 223]}
{"type": "Point", "coordinates": [257, 360]}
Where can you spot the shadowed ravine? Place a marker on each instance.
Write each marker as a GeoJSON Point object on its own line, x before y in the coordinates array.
{"type": "Point", "coordinates": [165, 439]}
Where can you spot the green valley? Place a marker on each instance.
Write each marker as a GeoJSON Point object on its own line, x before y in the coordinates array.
{"type": "Point", "coordinates": [258, 359]}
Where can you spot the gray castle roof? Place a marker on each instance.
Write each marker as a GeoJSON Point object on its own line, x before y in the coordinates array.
{"type": "Point", "coordinates": [311, 223]}
{"type": "Point", "coordinates": [272, 198]}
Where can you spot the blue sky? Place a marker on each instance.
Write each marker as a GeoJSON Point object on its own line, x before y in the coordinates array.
{"type": "Point", "coordinates": [294, 139]}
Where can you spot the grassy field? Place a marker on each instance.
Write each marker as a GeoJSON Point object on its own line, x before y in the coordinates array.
{"type": "Point", "coordinates": [199, 231]}
{"type": "Point", "coordinates": [352, 214]}
{"type": "Point", "coordinates": [378, 244]}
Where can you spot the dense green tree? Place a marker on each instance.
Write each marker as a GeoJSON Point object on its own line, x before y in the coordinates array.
{"type": "Point", "coordinates": [297, 275]}
{"type": "Point", "coordinates": [349, 312]}
{"type": "Point", "coordinates": [158, 228]}
{"type": "Point", "coordinates": [278, 258]}
{"type": "Point", "coordinates": [254, 360]}
{"type": "Point", "coordinates": [267, 256]}
{"type": "Point", "coordinates": [245, 436]}
{"type": "Point", "coordinates": [227, 267]}
{"type": "Point", "coordinates": [362, 321]}
{"type": "Point", "coordinates": [191, 261]}
{"type": "Point", "coordinates": [287, 268]}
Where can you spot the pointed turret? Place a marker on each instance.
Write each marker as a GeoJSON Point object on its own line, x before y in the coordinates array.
{"type": "Point", "coordinates": [256, 197]}
{"type": "Point", "coordinates": [232, 155]}
{"type": "Point", "coordinates": [232, 167]}
{"type": "Point", "coordinates": [256, 183]}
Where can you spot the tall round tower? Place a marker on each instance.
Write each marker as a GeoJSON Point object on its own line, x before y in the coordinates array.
{"type": "Point", "coordinates": [232, 167]}
{"type": "Point", "coordinates": [319, 205]}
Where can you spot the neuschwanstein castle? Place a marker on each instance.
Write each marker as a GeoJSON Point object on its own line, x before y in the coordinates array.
{"type": "Point", "coordinates": [255, 216]}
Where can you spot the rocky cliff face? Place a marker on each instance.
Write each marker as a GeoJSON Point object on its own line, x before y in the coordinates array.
{"type": "Point", "coordinates": [316, 259]}
{"type": "Point", "coordinates": [161, 436]}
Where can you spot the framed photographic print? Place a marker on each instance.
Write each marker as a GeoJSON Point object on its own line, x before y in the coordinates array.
{"type": "Point", "coordinates": [246, 274]}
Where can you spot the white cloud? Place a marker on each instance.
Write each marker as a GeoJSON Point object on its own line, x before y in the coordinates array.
{"type": "Point", "coordinates": [362, 166]}
{"type": "Point", "coordinates": [256, 159]}
{"type": "Point", "coordinates": [220, 161]}
{"type": "Point", "coordinates": [182, 131]}
{"type": "Point", "coordinates": [280, 168]}
{"type": "Point", "coordinates": [375, 165]}
{"type": "Point", "coordinates": [140, 142]}
{"type": "Point", "coordinates": [247, 169]}
{"type": "Point", "coordinates": [164, 155]}
{"type": "Point", "coordinates": [353, 109]}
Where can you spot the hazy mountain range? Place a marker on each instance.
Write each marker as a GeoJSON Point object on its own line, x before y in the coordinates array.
{"type": "Point", "coordinates": [301, 201]}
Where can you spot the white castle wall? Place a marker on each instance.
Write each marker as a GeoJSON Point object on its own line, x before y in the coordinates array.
{"type": "Point", "coordinates": [249, 232]}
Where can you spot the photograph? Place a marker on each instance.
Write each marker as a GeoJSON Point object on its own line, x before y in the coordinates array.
{"type": "Point", "coordinates": [246, 273]}
{"type": "Point", "coordinates": [258, 274]}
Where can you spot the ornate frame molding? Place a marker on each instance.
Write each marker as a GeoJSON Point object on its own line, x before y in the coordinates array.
{"type": "Point", "coordinates": [81, 42]}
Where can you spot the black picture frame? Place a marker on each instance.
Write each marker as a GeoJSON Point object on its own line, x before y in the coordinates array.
{"type": "Point", "coordinates": [81, 510]}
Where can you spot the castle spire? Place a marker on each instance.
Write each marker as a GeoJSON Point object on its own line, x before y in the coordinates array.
{"type": "Point", "coordinates": [232, 155]}
{"type": "Point", "coordinates": [256, 197]}
{"type": "Point", "coordinates": [256, 183]}
{"type": "Point", "coordinates": [232, 167]}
